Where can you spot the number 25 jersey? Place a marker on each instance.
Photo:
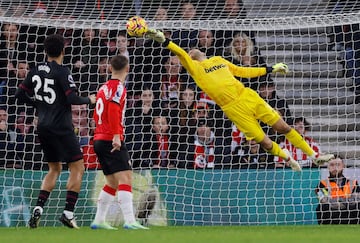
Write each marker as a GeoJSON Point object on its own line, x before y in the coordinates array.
{"type": "Point", "coordinates": [49, 84]}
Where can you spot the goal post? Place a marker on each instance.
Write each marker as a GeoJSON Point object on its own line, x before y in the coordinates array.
{"type": "Point", "coordinates": [317, 39]}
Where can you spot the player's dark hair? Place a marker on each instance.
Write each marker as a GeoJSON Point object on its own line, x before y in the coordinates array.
{"type": "Point", "coordinates": [54, 45]}
{"type": "Point", "coordinates": [119, 62]}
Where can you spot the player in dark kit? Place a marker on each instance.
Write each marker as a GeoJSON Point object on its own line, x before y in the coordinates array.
{"type": "Point", "coordinates": [110, 148]}
{"type": "Point", "coordinates": [51, 89]}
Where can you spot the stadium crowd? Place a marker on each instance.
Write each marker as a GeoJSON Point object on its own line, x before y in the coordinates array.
{"type": "Point", "coordinates": [169, 121]}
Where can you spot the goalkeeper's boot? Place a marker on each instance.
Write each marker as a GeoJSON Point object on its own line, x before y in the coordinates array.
{"type": "Point", "coordinates": [35, 218]}
{"type": "Point", "coordinates": [295, 166]}
{"type": "Point", "coordinates": [135, 225]}
{"type": "Point", "coordinates": [322, 159]}
{"type": "Point", "coordinates": [71, 223]}
{"type": "Point", "coordinates": [103, 225]}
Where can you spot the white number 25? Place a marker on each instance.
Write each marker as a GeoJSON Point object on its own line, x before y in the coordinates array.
{"type": "Point", "coordinates": [46, 87]}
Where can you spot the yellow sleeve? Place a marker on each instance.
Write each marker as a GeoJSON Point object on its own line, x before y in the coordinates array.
{"type": "Point", "coordinates": [245, 72]}
{"type": "Point", "coordinates": [184, 58]}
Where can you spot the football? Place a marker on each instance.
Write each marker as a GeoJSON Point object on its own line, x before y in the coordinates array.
{"type": "Point", "coordinates": [136, 26]}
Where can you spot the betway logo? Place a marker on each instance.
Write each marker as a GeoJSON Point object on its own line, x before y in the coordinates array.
{"type": "Point", "coordinates": [212, 69]}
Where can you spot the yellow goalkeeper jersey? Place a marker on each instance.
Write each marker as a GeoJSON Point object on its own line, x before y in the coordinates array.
{"type": "Point", "coordinates": [215, 76]}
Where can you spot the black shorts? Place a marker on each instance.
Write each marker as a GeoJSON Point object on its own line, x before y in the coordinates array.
{"type": "Point", "coordinates": [112, 162]}
{"type": "Point", "coordinates": [60, 148]}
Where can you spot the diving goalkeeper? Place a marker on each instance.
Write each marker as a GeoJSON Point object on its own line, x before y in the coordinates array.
{"type": "Point", "coordinates": [243, 106]}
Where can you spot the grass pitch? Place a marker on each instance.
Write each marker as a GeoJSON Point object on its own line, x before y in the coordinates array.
{"type": "Point", "coordinates": [208, 234]}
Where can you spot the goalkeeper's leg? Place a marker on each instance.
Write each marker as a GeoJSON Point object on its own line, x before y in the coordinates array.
{"type": "Point", "coordinates": [298, 141]}
{"type": "Point", "coordinates": [275, 149]}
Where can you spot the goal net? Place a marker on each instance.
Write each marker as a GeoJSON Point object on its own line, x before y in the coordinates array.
{"type": "Point", "coordinates": [192, 165]}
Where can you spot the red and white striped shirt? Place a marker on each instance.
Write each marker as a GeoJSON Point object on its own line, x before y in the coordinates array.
{"type": "Point", "coordinates": [297, 153]}
{"type": "Point", "coordinates": [110, 110]}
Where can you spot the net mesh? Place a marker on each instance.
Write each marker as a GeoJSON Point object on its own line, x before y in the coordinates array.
{"type": "Point", "coordinates": [170, 122]}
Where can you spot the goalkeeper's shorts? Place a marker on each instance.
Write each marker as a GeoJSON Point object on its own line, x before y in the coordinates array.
{"type": "Point", "coordinates": [247, 110]}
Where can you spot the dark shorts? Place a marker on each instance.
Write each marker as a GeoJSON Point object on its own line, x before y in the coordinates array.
{"type": "Point", "coordinates": [119, 160]}
{"type": "Point", "coordinates": [60, 148]}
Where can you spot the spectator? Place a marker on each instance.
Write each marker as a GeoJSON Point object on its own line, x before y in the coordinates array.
{"type": "Point", "coordinates": [14, 80]}
{"type": "Point", "coordinates": [161, 14]}
{"type": "Point", "coordinates": [157, 146]}
{"type": "Point", "coordinates": [346, 39]}
{"type": "Point", "coordinates": [351, 35]}
{"type": "Point", "coordinates": [206, 43]}
{"type": "Point", "coordinates": [91, 161]}
{"type": "Point", "coordinates": [243, 52]}
{"type": "Point", "coordinates": [182, 125]}
{"type": "Point", "coordinates": [123, 48]}
{"type": "Point", "coordinates": [232, 10]}
{"type": "Point", "coordinates": [10, 150]}
{"type": "Point", "coordinates": [11, 47]}
{"type": "Point", "coordinates": [80, 120]}
{"type": "Point", "coordinates": [237, 139]}
{"type": "Point", "coordinates": [170, 83]}
{"type": "Point", "coordinates": [87, 56]}
{"type": "Point", "coordinates": [222, 125]}
{"type": "Point", "coordinates": [91, 82]}
{"type": "Point", "coordinates": [139, 124]}
{"type": "Point", "coordinates": [204, 155]}
{"type": "Point", "coordinates": [121, 45]}
{"type": "Point", "coordinates": [72, 42]}
{"type": "Point", "coordinates": [339, 197]}
{"type": "Point", "coordinates": [301, 125]}
{"type": "Point", "coordinates": [186, 38]}
{"type": "Point", "coordinates": [181, 116]}
{"type": "Point", "coordinates": [251, 156]}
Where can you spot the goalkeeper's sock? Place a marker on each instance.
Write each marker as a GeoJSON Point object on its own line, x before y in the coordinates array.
{"type": "Point", "coordinates": [298, 141]}
{"type": "Point", "coordinates": [106, 196]}
{"type": "Point", "coordinates": [125, 198]}
{"type": "Point", "coordinates": [277, 151]}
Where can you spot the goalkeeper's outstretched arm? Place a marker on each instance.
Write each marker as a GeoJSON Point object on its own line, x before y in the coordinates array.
{"type": "Point", "coordinates": [188, 63]}
{"type": "Point", "coordinates": [183, 56]}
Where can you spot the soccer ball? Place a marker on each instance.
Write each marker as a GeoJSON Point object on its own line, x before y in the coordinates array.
{"type": "Point", "coordinates": [136, 26]}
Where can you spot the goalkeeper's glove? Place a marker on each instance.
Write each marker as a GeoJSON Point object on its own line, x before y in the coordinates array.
{"type": "Point", "coordinates": [280, 68]}
{"type": "Point", "coordinates": [155, 35]}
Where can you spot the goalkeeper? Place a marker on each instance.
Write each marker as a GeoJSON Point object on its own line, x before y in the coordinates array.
{"type": "Point", "coordinates": [243, 106]}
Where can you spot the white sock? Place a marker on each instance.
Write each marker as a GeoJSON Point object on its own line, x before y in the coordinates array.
{"type": "Point", "coordinates": [314, 156]}
{"type": "Point", "coordinates": [69, 214]}
{"type": "Point", "coordinates": [125, 199]}
{"type": "Point", "coordinates": [103, 205]}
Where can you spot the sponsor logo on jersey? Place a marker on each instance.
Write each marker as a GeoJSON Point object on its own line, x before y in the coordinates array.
{"type": "Point", "coordinates": [214, 68]}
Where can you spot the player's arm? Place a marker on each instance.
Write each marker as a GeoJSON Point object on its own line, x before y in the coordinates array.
{"type": "Point", "coordinates": [68, 85]}
{"type": "Point", "coordinates": [252, 72]}
{"type": "Point", "coordinates": [73, 99]}
{"type": "Point", "coordinates": [25, 92]}
{"type": "Point", "coordinates": [183, 56]}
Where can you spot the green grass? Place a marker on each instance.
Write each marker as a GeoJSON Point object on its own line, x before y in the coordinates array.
{"type": "Point", "coordinates": [172, 234]}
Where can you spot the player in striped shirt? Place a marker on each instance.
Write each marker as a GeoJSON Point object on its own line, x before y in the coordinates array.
{"type": "Point", "coordinates": [110, 147]}
{"type": "Point", "coordinates": [301, 126]}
